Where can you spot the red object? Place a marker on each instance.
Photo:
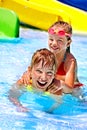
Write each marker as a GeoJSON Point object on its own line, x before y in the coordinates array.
{"type": "Point", "coordinates": [61, 71]}
{"type": "Point", "coordinates": [58, 32]}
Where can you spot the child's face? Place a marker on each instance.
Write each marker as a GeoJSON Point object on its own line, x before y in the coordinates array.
{"type": "Point", "coordinates": [42, 76]}
{"type": "Point", "coordinates": [57, 43]}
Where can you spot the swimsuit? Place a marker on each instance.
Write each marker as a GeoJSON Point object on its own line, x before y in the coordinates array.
{"type": "Point", "coordinates": [61, 71]}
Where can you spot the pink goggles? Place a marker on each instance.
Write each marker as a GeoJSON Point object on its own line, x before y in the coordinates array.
{"type": "Point", "coordinates": [58, 32]}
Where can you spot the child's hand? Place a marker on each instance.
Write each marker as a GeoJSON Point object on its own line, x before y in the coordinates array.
{"type": "Point", "coordinates": [25, 79]}
{"type": "Point", "coordinates": [55, 88]}
{"type": "Point", "coordinates": [19, 106]}
{"type": "Point", "coordinates": [22, 109]}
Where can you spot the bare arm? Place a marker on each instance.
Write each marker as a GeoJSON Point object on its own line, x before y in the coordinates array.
{"type": "Point", "coordinates": [18, 89]}
{"type": "Point", "coordinates": [25, 78]}
{"type": "Point", "coordinates": [57, 103]}
{"type": "Point", "coordinates": [70, 67]}
{"type": "Point", "coordinates": [71, 73]}
{"type": "Point", "coordinates": [65, 88]}
{"type": "Point", "coordinates": [14, 94]}
{"type": "Point", "coordinates": [55, 88]}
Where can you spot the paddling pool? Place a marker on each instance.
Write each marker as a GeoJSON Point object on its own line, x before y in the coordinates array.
{"type": "Point", "coordinates": [15, 56]}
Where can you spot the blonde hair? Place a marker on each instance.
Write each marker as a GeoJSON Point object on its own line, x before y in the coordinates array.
{"type": "Point", "coordinates": [64, 25]}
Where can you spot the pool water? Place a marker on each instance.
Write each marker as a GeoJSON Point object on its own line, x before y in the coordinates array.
{"type": "Point", "coordinates": [15, 56]}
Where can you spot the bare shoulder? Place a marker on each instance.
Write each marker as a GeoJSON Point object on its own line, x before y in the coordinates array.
{"type": "Point", "coordinates": [70, 58]}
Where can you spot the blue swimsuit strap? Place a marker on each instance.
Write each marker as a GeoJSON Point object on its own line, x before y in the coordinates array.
{"type": "Point", "coordinates": [64, 58]}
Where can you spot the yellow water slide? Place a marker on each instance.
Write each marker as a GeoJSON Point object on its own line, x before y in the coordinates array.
{"type": "Point", "coordinates": [43, 13]}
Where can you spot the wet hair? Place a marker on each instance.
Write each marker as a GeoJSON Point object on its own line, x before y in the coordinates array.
{"type": "Point", "coordinates": [66, 27]}
{"type": "Point", "coordinates": [44, 55]}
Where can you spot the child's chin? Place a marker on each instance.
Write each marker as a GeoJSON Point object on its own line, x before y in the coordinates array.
{"type": "Point", "coordinates": [41, 88]}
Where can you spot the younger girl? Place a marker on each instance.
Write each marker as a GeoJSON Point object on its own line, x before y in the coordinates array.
{"type": "Point", "coordinates": [59, 43]}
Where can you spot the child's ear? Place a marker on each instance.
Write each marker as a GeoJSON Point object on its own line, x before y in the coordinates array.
{"type": "Point", "coordinates": [29, 68]}
{"type": "Point", "coordinates": [69, 42]}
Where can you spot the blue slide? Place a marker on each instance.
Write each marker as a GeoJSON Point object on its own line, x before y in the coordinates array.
{"type": "Point", "coordinates": [81, 4]}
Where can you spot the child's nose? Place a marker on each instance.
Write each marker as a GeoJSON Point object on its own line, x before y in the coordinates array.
{"type": "Point", "coordinates": [54, 42]}
{"type": "Point", "coordinates": [43, 76]}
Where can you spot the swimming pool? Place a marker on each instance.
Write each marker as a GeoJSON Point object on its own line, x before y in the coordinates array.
{"type": "Point", "coordinates": [15, 56]}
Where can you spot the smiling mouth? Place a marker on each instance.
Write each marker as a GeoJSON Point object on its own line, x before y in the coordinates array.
{"type": "Point", "coordinates": [42, 84]}
{"type": "Point", "coordinates": [54, 48]}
